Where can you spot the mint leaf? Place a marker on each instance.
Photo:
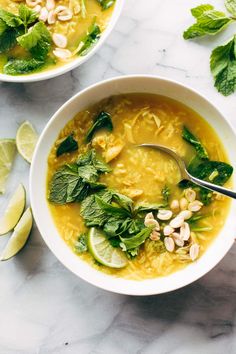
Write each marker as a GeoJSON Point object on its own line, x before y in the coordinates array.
{"type": "Point", "coordinates": [7, 39]}
{"type": "Point", "coordinates": [27, 15]}
{"type": "Point", "coordinates": [37, 41]}
{"type": "Point", "coordinates": [21, 66]}
{"type": "Point", "coordinates": [90, 39]}
{"type": "Point", "coordinates": [209, 22]}
{"type": "Point", "coordinates": [81, 245]}
{"type": "Point", "coordinates": [223, 67]}
{"type": "Point", "coordinates": [10, 19]}
{"type": "Point", "coordinates": [231, 6]}
{"type": "Point", "coordinates": [3, 26]}
{"type": "Point", "coordinates": [106, 4]}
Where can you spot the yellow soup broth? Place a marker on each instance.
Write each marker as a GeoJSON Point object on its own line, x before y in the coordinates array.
{"type": "Point", "coordinates": [141, 174]}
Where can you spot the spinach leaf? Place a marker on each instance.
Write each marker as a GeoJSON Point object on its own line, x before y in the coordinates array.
{"type": "Point", "coordinates": [106, 4]}
{"type": "Point", "coordinates": [208, 22]}
{"type": "Point", "coordinates": [135, 241]}
{"type": "Point", "coordinates": [220, 171]}
{"type": "Point", "coordinates": [223, 67]}
{"type": "Point", "coordinates": [81, 245]}
{"type": "Point", "coordinates": [21, 66]}
{"type": "Point", "coordinates": [166, 194]}
{"type": "Point", "coordinates": [27, 15]}
{"type": "Point", "coordinates": [37, 41]}
{"type": "Point", "coordinates": [90, 39]}
{"type": "Point", "coordinates": [69, 144]}
{"type": "Point", "coordinates": [103, 120]}
{"type": "Point", "coordinates": [231, 6]}
{"type": "Point", "coordinates": [195, 142]}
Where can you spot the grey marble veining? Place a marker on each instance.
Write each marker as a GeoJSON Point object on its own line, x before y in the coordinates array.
{"type": "Point", "coordinates": [44, 309]}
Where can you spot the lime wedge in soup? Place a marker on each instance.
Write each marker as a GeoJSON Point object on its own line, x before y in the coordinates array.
{"type": "Point", "coordinates": [13, 211]}
{"type": "Point", "coordinates": [7, 155]}
{"type": "Point", "coordinates": [26, 139]}
{"type": "Point", "coordinates": [19, 236]}
{"type": "Point", "coordinates": [103, 251]}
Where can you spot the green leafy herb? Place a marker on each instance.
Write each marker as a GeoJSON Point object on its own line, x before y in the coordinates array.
{"type": "Point", "coordinates": [7, 38]}
{"type": "Point", "coordinates": [73, 182]}
{"type": "Point", "coordinates": [3, 27]}
{"type": "Point", "coordinates": [106, 4]}
{"type": "Point", "coordinates": [21, 66]}
{"type": "Point", "coordinates": [103, 120]}
{"type": "Point", "coordinates": [223, 67]}
{"type": "Point", "coordinates": [91, 158]}
{"type": "Point", "coordinates": [27, 15]}
{"type": "Point", "coordinates": [166, 194]}
{"type": "Point", "coordinates": [10, 19]}
{"type": "Point", "coordinates": [195, 142]}
{"type": "Point", "coordinates": [81, 245]}
{"type": "Point", "coordinates": [145, 208]}
{"type": "Point", "coordinates": [231, 6]}
{"type": "Point", "coordinates": [69, 144]}
{"type": "Point", "coordinates": [208, 22]}
{"type": "Point", "coordinates": [135, 241]}
{"type": "Point", "coordinates": [37, 41]}
{"type": "Point", "coordinates": [90, 39]}
{"type": "Point", "coordinates": [221, 170]}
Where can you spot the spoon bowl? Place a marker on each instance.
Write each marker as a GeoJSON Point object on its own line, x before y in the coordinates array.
{"type": "Point", "coordinates": [186, 175]}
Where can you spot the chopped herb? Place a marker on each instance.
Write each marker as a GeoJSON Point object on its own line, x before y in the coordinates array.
{"type": "Point", "coordinates": [144, 208]}
{"type": "Point", "coordinates": [27, 15]}
{"type": "Point", "coordinates": [7, 38]}
{"type": "Point", "coordinates": [103, 120]}
{"type": "Point", "coordinates": [208, 22]}
{"type": "Point", "coordinates": [69, 144]}
{"type": "Point", "coordinates": [10, 19]}
{"type": "Point", "coordinates": [106, 4]}
{"type": "Point", "coordinates": [81, 245]}
{"type": "Point", "coordinates": [91, 158]}
{"type": "Point", "coordinates": [195, 142]}
{"type": "Point", "coordinates": [90, 39]}
{"type": "Point", "coordinates": [166, 194]}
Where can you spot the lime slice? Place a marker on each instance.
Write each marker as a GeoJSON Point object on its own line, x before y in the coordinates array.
{"type": "Point", "coordinates": [19, 236]}
{"type": "Point", "coordinates": [103, 251]}
{"type": "Point", "coordinates": [14, 211]}
{"type": "Point", "coordinates": [7, 155]}
{"type": "Point", "coordinates": [26, 139]}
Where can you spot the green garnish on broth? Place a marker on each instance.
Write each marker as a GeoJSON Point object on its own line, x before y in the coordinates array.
{"type": "Point", "coordinates": [69, 144]}
{"type": "Point", "coordinates": [90, 39]}
{"type": "Point", "coordinates": [200, 166]}
{"type": "Point", "coordinates": [106, 4]}
{"type": "Point", "coordinates": [103, 120]}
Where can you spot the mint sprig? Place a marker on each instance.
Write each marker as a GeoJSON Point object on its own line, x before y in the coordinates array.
{"type": "Point", "coordinates": [223, 58]}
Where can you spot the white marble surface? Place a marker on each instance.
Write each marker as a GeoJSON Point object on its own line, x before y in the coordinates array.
{"type": "Point", "coordinates": [46, 309]}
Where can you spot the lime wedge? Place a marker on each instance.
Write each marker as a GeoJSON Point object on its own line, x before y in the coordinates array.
{"type": "Point", "coordinates": [7, 155]}
{"type": "Point", "coordinates": [19, 236]}
{"type": "Point", "coordinates": [26, 139]}
{"type": "Point", "coordinates": [13, 211]}
{"type": "Point", "coordinates": [103, 251]}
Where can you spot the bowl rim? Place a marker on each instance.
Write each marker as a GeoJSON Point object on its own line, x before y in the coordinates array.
{"type": "Point", "coordinates": [63, 69]}
{"type": "Point", "coordinates": [150, 290]}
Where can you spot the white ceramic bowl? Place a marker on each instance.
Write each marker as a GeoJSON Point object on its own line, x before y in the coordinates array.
{"type": "Point", "coordinates": [48, 74]}
{"type": "Point", "coordinates": [41, 212]}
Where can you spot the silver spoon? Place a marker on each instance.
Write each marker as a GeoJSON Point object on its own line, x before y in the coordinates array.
{"type": "Point", "coordinates": [186, 175]}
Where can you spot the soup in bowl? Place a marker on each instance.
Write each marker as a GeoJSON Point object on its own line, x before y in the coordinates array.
{"type": "Point", "coordinates": [40, 39]}
{"type": "Point", "coordinates": [119, 215]}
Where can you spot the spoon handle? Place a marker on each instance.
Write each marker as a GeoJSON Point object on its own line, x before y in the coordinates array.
{"type": "Point", "coordinates": [213, 187]}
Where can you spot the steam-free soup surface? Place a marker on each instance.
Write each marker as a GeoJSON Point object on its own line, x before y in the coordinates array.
{"type": "Point", "coordinates": [141, 174]}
